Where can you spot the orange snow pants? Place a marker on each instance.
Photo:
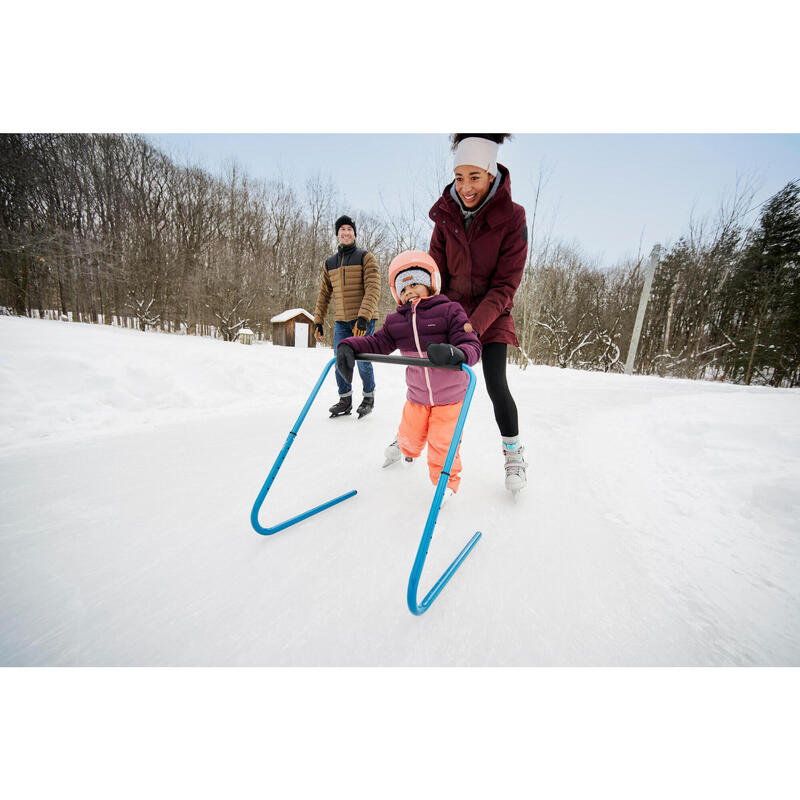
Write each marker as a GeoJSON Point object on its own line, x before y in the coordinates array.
{"type": "Point", "coordinates": [434, 425]}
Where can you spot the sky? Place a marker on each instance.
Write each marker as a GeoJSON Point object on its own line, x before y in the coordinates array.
{"type": "Point", "coordinates": [611, 194]}
{"type": "Point", "coordinates": [637, 116]}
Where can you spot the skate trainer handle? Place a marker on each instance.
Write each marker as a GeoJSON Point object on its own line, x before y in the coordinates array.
{"type": "Point", "coordinates": [407, 360]}
{"type": "Point", "coordinates": [415, 606]}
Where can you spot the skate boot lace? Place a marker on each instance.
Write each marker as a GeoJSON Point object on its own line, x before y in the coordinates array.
{"type": "Point", "coordinates": [515, 462]}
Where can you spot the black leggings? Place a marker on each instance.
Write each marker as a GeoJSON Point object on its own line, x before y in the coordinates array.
{"type": "Point", "coordinates": [494, 372]}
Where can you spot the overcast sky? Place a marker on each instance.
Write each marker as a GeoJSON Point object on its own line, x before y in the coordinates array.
{"type": "Point", "coordinates": [605, 192]}
{"type": "Point", "coordinates": [626, 81]}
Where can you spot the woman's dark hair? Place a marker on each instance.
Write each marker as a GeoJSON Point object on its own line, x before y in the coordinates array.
{"type": "Point", "coordinates": [455, 138]}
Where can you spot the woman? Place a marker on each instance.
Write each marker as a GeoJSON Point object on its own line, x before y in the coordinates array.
{"type": "Point", "coordinates": [479, 242]}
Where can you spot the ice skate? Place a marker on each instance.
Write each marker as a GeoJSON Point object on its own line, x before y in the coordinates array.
{"type": "Point", "coordinates": [367, 404]}
{"type": "Point", "coordinates": [515, 466]}
{"type": "Point", "coordinates": [392, 455]}
{"type": "Point", "coordinates": [344, 406]}
{"type": "Point", "coordinates": [447, 499]}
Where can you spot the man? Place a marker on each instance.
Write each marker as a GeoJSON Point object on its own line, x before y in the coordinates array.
{"type": "Point", "coordinates": [351, 275]}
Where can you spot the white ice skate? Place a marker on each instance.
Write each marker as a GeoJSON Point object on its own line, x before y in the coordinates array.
{"type": "Point", "coordinates": [515, 465]}
{"type": "Point", "coordinates": [392, 454]}
{"type": "Point", "coordinates": [447, 499]}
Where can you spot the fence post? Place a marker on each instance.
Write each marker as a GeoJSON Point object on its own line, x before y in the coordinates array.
{"type": "Point", "coordinates": [645, 296]}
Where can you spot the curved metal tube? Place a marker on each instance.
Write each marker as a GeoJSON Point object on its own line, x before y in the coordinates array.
{"type": "Point", "coordinates": [277, 465]}
{"type": "Point", "coordinates": [422, 552]}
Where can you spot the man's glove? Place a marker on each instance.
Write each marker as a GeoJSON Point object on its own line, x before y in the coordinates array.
{"type": "Point", "coordinates": [443, 355]}
{"type": "Point", "coordinates": [360, 328]}
{"type": "Point", "coordinates": [345, 361]}
{"type": "Point", "coordinates": [318, 333]}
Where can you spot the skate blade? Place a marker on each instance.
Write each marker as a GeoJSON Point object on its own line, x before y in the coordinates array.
{"type": "Point", "coordinates": [343, 414]}
{"type": "Point", "coordinates": [389, 462]}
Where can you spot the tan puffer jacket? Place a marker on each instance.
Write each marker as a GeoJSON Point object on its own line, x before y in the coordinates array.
{"type": "Point", "coordinates": [353, 278]}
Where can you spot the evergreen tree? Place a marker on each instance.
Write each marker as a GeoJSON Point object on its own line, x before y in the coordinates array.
{"type": "Point", "coordinates": [766, 286]}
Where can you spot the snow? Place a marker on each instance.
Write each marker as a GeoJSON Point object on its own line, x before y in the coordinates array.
{"type": "Point", "coordinates": [659, 526]}
{"type": "Point", "coordinates": [291, 313]}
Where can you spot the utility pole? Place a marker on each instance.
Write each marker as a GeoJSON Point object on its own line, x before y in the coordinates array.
{"type": "Point", "coordinates": [637, 326]}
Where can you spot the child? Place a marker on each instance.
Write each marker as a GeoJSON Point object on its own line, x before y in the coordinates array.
{"type": "Point", "coordinates": [426, 324]}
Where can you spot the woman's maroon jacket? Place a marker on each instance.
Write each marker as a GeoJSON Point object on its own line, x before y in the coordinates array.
{"type": "Point", "coordinates": [482, 267]}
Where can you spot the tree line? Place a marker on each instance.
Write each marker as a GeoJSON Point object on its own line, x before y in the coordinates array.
{"type": "Point", "coordinates": [106, 227]}
{"type": "Point", "coordinates": [724, 303]}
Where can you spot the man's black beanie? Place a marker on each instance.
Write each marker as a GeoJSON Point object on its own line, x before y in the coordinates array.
{"type": "Point", "coordinates": [345, 220]}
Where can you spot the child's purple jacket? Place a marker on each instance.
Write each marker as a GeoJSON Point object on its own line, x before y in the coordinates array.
{"type": "Point", "coordinates": [410, 330]}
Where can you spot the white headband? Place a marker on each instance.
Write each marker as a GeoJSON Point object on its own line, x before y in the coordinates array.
{"type": "Point", "coordinates": [478, 153]}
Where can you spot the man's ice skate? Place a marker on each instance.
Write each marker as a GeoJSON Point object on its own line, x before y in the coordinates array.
{"type": "Point", "coordinates": [367, 404]}
{"type": "Point", "coordinates": [515, 465]}
{"type": "Point", "coordinates": [344, 406]}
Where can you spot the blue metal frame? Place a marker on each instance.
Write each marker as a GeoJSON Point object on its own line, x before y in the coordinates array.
{"type": "Point", "coordinates": [422, 551]}
{"type": "Point", "coordinates": [277, 465]}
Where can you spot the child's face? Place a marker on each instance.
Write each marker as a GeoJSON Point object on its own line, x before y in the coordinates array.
{"type": "Point", "coordinates": [411, 291]}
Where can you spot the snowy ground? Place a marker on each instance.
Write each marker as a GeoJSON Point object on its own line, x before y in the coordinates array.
{"type": "Point", "coordinates": [659, 527]}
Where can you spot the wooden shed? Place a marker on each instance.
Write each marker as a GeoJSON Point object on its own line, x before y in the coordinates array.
{"type": "Point", "coordinates": [293, 328]}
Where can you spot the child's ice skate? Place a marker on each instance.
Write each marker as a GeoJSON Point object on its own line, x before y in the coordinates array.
{"type": "Point", "coordinates": [447, 499]}
{"type": "Point", "coordinates": [392, 454]}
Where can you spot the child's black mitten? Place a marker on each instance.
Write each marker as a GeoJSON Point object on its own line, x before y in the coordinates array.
{"type": "Point", "coordinates": [443, 355]}
{"type": "Point", "coordinates": [345, 361]}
